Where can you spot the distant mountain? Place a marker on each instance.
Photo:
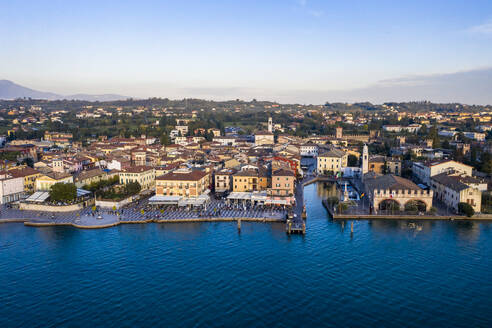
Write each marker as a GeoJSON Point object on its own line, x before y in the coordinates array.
{"type": "Point", "coordinates": [11, 90]}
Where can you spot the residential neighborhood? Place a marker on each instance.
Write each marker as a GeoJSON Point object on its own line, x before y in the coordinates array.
{"type": "Point", "coordinates": [180, 158]}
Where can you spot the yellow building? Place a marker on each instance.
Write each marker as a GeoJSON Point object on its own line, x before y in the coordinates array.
{"type": "Point", "coordinates": [46, 181]}
{"type": "Point", "coordinates": [377, 164]}
{"type": "Point", "coordinates": [144, 175]}
{"type": "Point", "coordinates": [333, 160]}
{"type": "Point", "coordinates": [264, 138]}
{"type": "Point", "coordinates": [185, 183]}
{"type": "Point", "coordinates": [250, 180]}
{"type": "Point", "coordinates": [90, 176]}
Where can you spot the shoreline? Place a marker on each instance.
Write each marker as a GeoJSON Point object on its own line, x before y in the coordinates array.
{"type": "Point", "coordinates": [114, 224]}
{"type": "Point", "coordinates": [403, 217]}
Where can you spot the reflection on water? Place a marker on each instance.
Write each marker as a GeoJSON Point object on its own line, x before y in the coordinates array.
{"type": "Point", "coordinates": [391, 226]}
{"type": "Point", "coordinates": [326, 190]}
{"type": "Point", "coordinates": [466, 231]}
{"type": "Point", "coordinates": [463, 230]}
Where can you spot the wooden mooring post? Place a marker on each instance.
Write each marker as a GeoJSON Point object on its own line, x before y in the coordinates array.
{"type": "Point", "coordinates": [239, 225]}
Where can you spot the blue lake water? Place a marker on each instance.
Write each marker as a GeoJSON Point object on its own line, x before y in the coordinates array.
{"type": "Point", "coordinates": [388, 274]}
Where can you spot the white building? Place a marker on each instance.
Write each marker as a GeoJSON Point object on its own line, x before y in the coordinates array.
{"type": "Point", "coordinates": [11, 189]}
{"type": "Point", "coordinates": [225, 141]}
{"type": "Point", "coordinates": [365, 160]}
{"type": "Point", "coordinates": [449, 134]}
{"type": "Point", "coordinates": [173, 134]}
{"type": "Point", "coordinates": [183, 129]}
{"type": "Point", "coordinates": [424, 171]}
{"type": "Point", "coordinates": [412, 128]}
{"type": "Point", "coordinates": [455, 189]}
{"type": "Point", "coordinates": [475, 136]}
{"type": "Point", "coordinates": [309, 149]}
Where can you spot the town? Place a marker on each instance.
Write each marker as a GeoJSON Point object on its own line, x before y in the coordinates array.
{"type": "Point", "coordinates": [104, 163]}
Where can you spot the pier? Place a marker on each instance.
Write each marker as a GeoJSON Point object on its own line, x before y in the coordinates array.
{"type": "Point", "coordinates": [296, 223]}
{"type": "Point", "coordinates": [295, 226]}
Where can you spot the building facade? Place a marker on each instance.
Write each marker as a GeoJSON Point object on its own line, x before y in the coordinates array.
{"type": "Point", "coordinates": [424, 171]}
{"type": "Point", "coordinates": [11, 188]}
{"type": "Point", "coordinates": [185, 183]}
{"type": "Point", "coordinates": [46, 181]}
{"type": "Point", "coordinates": [333, 161]}
{"type": "Point", "coordinates": [144, 175]}
{"type": "Point", "coordinates": [455, 189]}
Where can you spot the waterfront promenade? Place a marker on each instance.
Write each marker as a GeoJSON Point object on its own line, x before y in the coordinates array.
{"type": "Point", "coordinates": [142, 212]}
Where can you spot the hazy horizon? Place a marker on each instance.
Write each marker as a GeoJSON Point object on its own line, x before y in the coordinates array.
{"type": "Point", "coordinates": [297, 51]}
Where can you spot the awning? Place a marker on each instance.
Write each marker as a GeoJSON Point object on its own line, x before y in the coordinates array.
{"type": "Point", "coordinates": [259, 196]}
{"type": "Point", "coordinates": [239, 195]}
{"type": "Point", "coordinates": [38, 197]}
{"type": "Point", "coordinates": [192, 201]}
{"type": "Point", "coordinates": [164, 200]}
{"type": "Point", "coordinates": [195, 201]}
{"type": "Point", "coordinates": [82, 192]}
{"type": "Point", "coordinates": [278, 201]}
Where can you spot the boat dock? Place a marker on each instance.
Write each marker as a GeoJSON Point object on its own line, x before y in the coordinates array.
{"type": "Point", "coordinates": [296, 223]}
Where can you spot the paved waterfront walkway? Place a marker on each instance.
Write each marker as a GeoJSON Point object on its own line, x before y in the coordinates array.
{"type": "Point", "coordinates": [142, 212]}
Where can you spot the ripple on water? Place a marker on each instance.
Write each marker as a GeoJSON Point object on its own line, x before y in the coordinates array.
{"type": "Point", "coordinates": [206, 274]}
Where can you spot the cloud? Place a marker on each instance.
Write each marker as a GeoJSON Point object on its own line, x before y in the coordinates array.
{"type": "Point", "coordinates": [316, 13]}
{"type": "Point", "coordinates": [482, 29]}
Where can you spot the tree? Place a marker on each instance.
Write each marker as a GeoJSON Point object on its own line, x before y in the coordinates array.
{"type": "Point", "coordinates": [434, 136]}
{"type": "Point", "coordinates": [486, 160]}
{"type": "Point", "coordinates": [165, 140]}
{"type": "Point", "coordinates": [132, 188]}
{"type": "Point", "coordinates": [28, 161]}
{"type": "Point", "coordinates": [352, 160]}
{"type": "Point", "coordinates": [411, 207]}
{"type": "Point", "coordinates": [209, 136]}
{"type": "Point", "coordinates": [63, 192]}
{"type": "Point", "coordinates": [465, 208]}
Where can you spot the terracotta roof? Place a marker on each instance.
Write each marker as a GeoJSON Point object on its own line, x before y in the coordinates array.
{"type": "Point", "coordinates": [23, 172]}
{"type": "Point", "coordinates": [138, 169]}
{"type": "Point", "coordinates": [58, 175]}
{"type": "Point", "coordinates": [331, 153]}
{"type": "Point", "coordinates": [389, 181]}
{"type": "Point", "coordinates": [455, 182]}
{"type": "Point", "coordinates": [89, 174]}
{"type": "Point", "coordinates": [183, 176]}
{"type": "Point", "coordinates": [263, 133]}
{"type": "Point", "coordinates": [247, 173]}
{"type": "Point", "coordinates": [284, 173]}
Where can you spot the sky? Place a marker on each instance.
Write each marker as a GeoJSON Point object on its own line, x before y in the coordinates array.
{"type": "Point", "coordinates": [303, 51]}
